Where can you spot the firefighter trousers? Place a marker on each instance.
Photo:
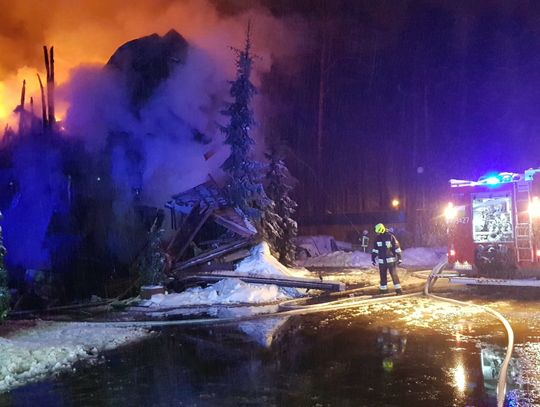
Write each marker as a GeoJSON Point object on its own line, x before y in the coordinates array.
{"type": "Point", "coordinates": [385, 268]}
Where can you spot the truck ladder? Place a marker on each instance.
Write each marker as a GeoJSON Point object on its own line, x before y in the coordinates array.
{"type": "Point", "coordinates": [524, 247]}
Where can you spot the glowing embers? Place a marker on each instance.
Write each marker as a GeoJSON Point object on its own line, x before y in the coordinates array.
{"type": "Point", "coordinates": [450, 212]}
{"type": "Point", "coordinates": [534, 207]}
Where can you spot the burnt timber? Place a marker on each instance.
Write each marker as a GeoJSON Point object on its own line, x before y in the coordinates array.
{"type": "Point", "coordinates": [281, 281]}
{"type": "Point", "coordinates": [210, 233]}
{"type": "Point", "coordinates": [211, 236]}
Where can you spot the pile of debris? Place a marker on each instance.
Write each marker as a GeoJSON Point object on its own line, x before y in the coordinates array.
{"type": "Point", "coordinates": [211, 237]}
{"type": "Point", "coordinates": [210, 233]}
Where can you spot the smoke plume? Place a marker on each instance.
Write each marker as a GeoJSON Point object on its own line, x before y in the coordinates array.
{"type": "Point", "coordinates": [168, 144]}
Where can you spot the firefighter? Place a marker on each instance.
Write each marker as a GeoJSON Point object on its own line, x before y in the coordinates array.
{"type": "Point", "coordinates": [387, 252]}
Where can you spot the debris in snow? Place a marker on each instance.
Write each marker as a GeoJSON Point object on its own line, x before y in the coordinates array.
{"type": "Point", "coordinates": [234, 291]}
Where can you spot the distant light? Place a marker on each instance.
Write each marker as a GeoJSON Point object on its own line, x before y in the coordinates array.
{"type": "Point", "coordinates": [98, 179]}
{"type": "Point", "coordinates": [395, 203]}
{"type": "Point", "coordinates": [450, 212]}
{"type": "Point", "coordinates": [534, 207]}
{"type": "Point", "coordinates": [452, 252]}
{"type": "Point", "coordinates": [420, 170]}
{"type": "Point", "coordinates": [493, 181]}
{"type": "Point", "coordinates": [538, 253]}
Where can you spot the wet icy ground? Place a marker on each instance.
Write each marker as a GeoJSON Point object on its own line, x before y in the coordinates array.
{"type": "Point", "coordinates": [410, 352]}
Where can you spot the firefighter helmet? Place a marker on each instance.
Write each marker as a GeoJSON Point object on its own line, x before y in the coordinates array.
{"type": "Point", "coordinates": [379, 228]}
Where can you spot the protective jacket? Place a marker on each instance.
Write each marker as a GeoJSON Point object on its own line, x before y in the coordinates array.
{"type": "Point", "coordinates": [386, 249]}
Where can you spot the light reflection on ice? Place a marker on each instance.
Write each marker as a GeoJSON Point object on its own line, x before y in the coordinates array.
{"type": "Point", "coordinates": [459, 377]}
{"type": "Point", "coordinates": [460, 322]}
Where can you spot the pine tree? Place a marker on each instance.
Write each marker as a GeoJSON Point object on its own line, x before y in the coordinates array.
{"type": "Point", "coordinates": [152, 262]}
{"type": "Point", "coordinates": [4, 293]}
{"type": "Point", "coordinates": [272, 228]}
{"type": "Point", "coordinates": [245, 188]}
{"type": "Point", "coordinates": [279, 186]}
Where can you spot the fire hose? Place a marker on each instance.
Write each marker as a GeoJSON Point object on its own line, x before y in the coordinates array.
{"type": "Point", "coordinates": [501, 385]}
{"type": "Point", "coordinates": [290, 307]}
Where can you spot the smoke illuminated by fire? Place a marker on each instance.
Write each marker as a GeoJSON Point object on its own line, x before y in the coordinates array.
{"type": "Point", "coordinates": [169, 144]}
{"type": "Point", "coordinates": [89, 31]}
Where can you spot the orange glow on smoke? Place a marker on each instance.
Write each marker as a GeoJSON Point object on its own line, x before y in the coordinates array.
{"type": "Point", "coordinates": [89, 31]}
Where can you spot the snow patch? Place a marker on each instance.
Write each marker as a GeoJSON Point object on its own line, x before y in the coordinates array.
{"type": "Point", "coordinates": [261, 263]}
{"type": "Point", "coordinates": [355, 259]}
{"type": "Point", "coordinates": [232, 290]}
{"type": "Point", "coordinates": [52, 346]}
{"type": "Point", "coordinates": [413, 257]}
{"type": "Point", "coordinates": [422, 256]}
{"type": "Point", "coordinates": [226, 291]}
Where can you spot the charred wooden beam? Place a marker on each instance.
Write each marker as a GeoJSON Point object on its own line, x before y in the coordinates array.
{"type": "Point", "coordinates": [281, 281]}
{"type": "Point", "coordinates": [50, 89]}
{"type": "Point", "coordinates": [212, 254]}
{"type": "Point", "coordinates": [48, 56]}
{"type": "Point", "coordinates": [189, 229]}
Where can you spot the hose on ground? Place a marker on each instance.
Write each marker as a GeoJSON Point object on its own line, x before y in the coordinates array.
{"type": "Point", "coordinates": [501, 385]}
{"type": "Point", "coordinates": [303, 310]}
{"type": "Point", "coordinates": [289, 308]}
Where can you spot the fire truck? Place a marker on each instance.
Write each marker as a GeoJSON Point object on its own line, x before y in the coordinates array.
{"type": "Point", "coordinates": [494, 229]}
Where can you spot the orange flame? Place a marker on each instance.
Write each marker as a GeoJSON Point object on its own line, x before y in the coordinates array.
{"type": "Point", "coordinates": [89, 31]}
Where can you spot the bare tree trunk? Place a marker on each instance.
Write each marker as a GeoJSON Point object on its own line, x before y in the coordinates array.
{"type": "Point", "coordinates": [32, 117]}
{"type": "Point", "coordinates": [23, 94]}
{"type": "Point", "coordinates": [49, 66]}
{"type": "Point", "coordinates": [43, 104]}
{"type": "Point", "coordinates": [22, 117]}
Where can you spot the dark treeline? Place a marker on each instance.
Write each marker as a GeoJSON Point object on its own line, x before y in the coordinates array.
{"type": "Point", "coordinates": [392, 99]}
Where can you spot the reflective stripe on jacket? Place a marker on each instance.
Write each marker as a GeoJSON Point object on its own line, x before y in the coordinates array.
{"type": "Point", "coordinates": [386, 248]}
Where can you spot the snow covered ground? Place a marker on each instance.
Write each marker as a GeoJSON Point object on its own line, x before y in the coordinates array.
{"type": "Point", "coordinates": [49, 347]}
{"type": "Point", "coordinates": [262, 263]}
{"type": "Point", "coordinates": [416, 257]}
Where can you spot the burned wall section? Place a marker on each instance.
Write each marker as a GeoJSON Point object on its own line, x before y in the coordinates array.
{"type": "Point", "coordinates": [66, 218]}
